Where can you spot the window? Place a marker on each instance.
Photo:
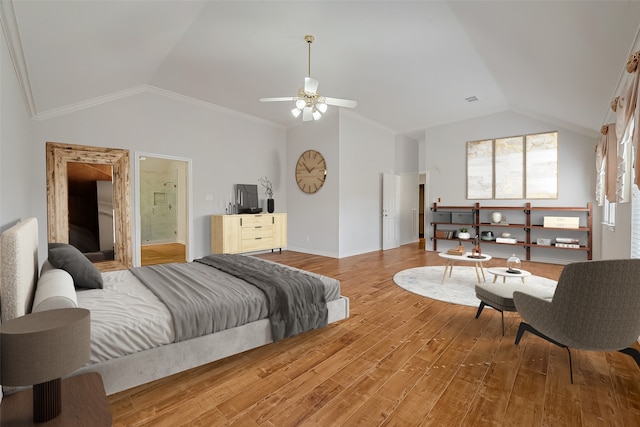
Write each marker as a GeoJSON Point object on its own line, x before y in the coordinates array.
{"type": "Point", "coordinates": [513, 168]}
{"type": "Point", "coordinates": [609, 213]}
{"type": "Point", "coordinates": [628, 190]}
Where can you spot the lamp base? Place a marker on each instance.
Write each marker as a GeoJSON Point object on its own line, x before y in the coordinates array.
{"type": "Point", "coordinates": [47, 400]}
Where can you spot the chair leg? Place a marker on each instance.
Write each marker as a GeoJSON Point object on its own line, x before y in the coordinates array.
{"type": "Point", "coordinates": [482, 304]}
{"type": "Point", "coordinates": [521, 330]}
{"type": "Point", "coordinates": [633, 353]}
{"type": "Point", "coordinates": [570, 364]}
{"type": "Point", "coordinates": [526, 327]}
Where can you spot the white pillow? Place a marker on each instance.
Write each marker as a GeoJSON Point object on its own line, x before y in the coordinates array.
{"type": "Point", "coordinates": [54, 290]}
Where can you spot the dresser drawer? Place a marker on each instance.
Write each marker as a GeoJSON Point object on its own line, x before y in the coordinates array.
{"type": "Point", "coordinates": [255, 220]}
{"type": "Point", "coordinates": [257, 244]}
{"type": "Point", "coordinates": [257, 232]}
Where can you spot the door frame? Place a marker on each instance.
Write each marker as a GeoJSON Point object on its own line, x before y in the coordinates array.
{"type": "Point", "coordinates": [136, 203]}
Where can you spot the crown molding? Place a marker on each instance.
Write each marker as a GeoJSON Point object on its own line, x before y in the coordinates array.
{"type": "Point", "coordinates": [12, 36]}
{"type": "Point", "coordinates": [144, 88]}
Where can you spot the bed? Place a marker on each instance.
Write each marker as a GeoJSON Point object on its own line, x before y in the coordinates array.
{"type": "Point", "coordinates": [128, 312]}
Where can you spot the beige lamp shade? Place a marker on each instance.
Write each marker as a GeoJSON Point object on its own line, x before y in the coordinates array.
{"type": "Point", "coordinates": [44, 346]}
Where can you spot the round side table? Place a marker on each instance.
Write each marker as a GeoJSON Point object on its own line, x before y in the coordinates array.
{"type": "Point", "coordinates": [502, 271]}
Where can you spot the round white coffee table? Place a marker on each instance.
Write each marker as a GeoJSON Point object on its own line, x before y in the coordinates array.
{"type": "Point", "coordinates": [502, 271]}
{"type": "Point", "coordinates": [452, 259]}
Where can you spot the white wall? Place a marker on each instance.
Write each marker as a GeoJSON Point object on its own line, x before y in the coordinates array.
{"type": "Point", "coordinates": [226, 148]}
{"type": "Point", "coordinates": [366, 152]}
{"type": "Point", "coordinates": [445, 159]}
{"type": "Point", "coordinates": [407, 166]}
{"type": "Point", "coordinates": [343, 217]}
{"type": "Point", "coordinates": [16, 170]}
{"type": "Point", "coordinates": [616, 241]}
{"type": "Point", "coordinates": [313, 218]}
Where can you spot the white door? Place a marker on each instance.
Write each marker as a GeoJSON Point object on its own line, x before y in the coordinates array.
{"type": "Point", "coordinates": [390, 203]}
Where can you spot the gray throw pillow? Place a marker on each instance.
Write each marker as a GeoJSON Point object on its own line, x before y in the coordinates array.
{"type": "Point", "coordinates": [70, 259]}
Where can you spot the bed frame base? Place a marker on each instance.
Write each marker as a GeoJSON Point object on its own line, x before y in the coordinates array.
{"type": "Point", "coordinates": [139, 368]}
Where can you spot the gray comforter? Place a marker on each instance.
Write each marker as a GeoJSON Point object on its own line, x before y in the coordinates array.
{"type": "Point", "coordinates": [204, 300]}
{"type": "Point", "coordinates": [296, 300]}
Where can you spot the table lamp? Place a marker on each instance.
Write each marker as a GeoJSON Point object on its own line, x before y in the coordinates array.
{"type": "Point", "coordinates": [39, 348]}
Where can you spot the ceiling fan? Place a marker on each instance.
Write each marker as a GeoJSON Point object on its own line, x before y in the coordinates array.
{"type": "Point", "coordinates": [309, 102]}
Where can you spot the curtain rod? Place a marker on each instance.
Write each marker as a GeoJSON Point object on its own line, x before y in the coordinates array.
{"type": "Point", "coordinates": [617, 88]}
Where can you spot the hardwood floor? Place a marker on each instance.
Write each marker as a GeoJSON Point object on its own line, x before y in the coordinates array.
{"type": "Point", "coordinates": [400, 359]}
{"type": "Point", "coordinates": [162, 253]}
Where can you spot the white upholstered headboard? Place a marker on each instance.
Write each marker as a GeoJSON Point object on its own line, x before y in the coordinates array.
{"type": "Point", "coordinates": [18, 268]}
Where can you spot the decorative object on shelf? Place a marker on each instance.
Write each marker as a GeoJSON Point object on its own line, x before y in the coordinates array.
{"type": "Point", "coordinates": [268, 189]}
{"type": "Point", "coordinates": [505, 235]}
{"type": "Point", "coordinates": [39, 349]}
{"type": "Point", "coordinates": [496, 217]}
{"type": "Point", "coordinates": [487, 235]}
{"type": "Point", "coordinates": [513, 264]}
{"type": "Point", "coordinates": [463, 234]}
{"type": "Point", "coordinates": [476, 252]}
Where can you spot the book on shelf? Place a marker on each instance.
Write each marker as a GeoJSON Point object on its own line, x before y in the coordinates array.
{"type": "Point", "coordinates": [567, 245]}
{"type": "Point", "coordinates": [567, 240]}
{"type": "Point", "coordinates": [445, 234]}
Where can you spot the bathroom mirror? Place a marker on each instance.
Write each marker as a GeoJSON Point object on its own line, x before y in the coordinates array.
{"type": "Point", "coordinates": [64, 163]}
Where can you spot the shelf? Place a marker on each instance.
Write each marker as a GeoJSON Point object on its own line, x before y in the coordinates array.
{"type": "Point", "coordinates": [560, 209]}
{"type": "Point", "coordinates": [581, 248]}
{"type": "Point", "coordinates": [540, 227]}
{"type": "Point", "coordinates": [529, 229]}
{"type": "Point", "coordinates": [491, 224]}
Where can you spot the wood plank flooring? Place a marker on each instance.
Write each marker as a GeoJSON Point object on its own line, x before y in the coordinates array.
{"type": "Point", "coordinates": [401, 360]}
{"type": "Point", "coordinates": [162, 253]}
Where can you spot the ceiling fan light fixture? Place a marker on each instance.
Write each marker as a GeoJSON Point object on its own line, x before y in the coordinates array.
{"type": "Point", "coordinates": [309, 103]}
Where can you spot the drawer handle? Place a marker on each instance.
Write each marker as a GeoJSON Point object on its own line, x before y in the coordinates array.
{"type": "Point", "coordinates": [258, 238]}
{"type": "Point", "coordinates": [258, 226]}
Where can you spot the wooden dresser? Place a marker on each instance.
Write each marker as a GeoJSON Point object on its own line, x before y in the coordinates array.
{"type": "Point", "coordinates": [232, 234]}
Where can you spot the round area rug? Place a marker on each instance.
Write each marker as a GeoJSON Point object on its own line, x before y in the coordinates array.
{"type": "Point", "coordinates": [457, 289]}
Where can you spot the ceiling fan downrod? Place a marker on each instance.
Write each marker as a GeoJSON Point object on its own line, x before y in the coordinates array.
{"type": "Point", "coordinates": [309, 38]}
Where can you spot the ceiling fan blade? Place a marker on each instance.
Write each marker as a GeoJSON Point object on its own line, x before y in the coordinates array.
{"type": "Point", "coordinates": [341, 102]}
{"type": "Point", "coordinates": [283, 98]}
{"type": "Point", "coordinates": [307, 114]}
{"type": "Point", "coordinates": [310, 85]}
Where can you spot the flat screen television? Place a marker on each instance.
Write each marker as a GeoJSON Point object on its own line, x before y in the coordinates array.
{"type": "Point", "coordinates": [247, 198]}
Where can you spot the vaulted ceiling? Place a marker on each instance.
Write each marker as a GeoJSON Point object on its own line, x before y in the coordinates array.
{"type": "Point", "coordinates": [410, 65]}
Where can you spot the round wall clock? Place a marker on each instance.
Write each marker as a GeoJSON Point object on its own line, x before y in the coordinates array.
{"type": "Point", "coordinates": [311, 171]}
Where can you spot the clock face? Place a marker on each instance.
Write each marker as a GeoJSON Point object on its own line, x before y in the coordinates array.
{"type": "Point", "coordinates": [311, 171]}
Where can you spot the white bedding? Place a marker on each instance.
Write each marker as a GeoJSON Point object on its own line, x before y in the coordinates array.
{"type": "Point", "coordinates": [126, 317]}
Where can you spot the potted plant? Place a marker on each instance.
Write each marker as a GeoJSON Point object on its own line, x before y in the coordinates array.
{"type": "Point", "coordinates": [268, 189]}
{"type": "Point", "coordinates": [463, 234]}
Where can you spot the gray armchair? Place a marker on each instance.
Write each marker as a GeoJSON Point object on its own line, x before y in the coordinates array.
{"type": "Point", "coordinates": [596, 306]}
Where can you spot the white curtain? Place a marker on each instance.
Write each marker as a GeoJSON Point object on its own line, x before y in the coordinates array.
{"type": "Point", "coordinates": [600, 156]}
